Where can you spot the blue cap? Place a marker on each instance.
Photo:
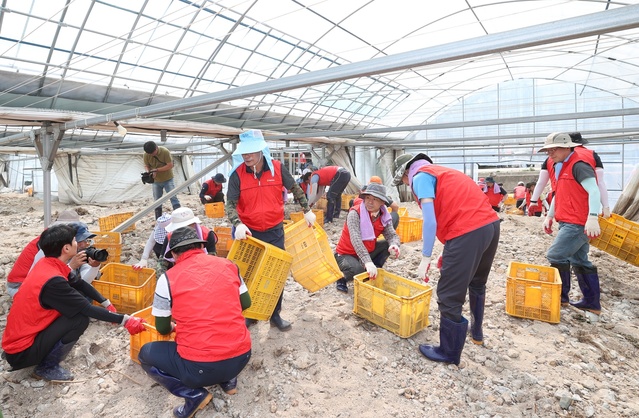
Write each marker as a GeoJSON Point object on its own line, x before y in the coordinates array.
{"type": "Point", "coordinates": [81, 231]}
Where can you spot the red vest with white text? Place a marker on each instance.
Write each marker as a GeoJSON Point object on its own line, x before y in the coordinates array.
{"type": "Point", "coordinates": [326, 174]}
{"type": "Point", "coordinates": [571, 199]}
{"type": "Point", "coordinates": [260, 206]}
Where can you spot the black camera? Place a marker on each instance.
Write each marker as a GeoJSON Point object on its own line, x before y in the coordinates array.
{"type": "Point", "coordinates": [147, 178]}
{"type": "Point", "coordinates": [97, 255]}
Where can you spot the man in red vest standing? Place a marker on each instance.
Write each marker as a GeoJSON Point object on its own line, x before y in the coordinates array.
{"type": "Point", "coordinates": [254, 200]}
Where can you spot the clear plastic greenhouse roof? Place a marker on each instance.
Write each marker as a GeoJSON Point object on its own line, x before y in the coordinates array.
{"type": "Point", "coordinates": [107, 56]}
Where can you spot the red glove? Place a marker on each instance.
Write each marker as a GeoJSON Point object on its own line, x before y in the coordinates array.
{"type": "Point", "coordinates": [134, 325]}
{"type": "Point", "coordinates": [440, 262]}
{"type": "Point", "coordinates": [111, 308]}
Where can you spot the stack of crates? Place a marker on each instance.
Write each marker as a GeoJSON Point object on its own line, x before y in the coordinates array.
{"type": "Point", "coordinates": [409, 229]}
{"type": "Point", "coordinates": [110, 241]}
{"type": "Point", "coordinates": [319, 216]}
{"type": "Point", "coordinates": [346, 198]}
{"type": "Point", "coordinates": [533, 292]}
{"type": "Point", "coordinates": [312, 266]}
{"type": "Point", "coordinates": [214, 210]}
{"type": "Point", "coordinates": [224, 240]}
{"type": "Point", "coordinates": [150, 334]}
{"type": "Point", "coordinates": [619, 237]}
{"type": "Point", "coordinates": [265, 269]}
{"type": "Point", "coordinates": [396, 304]}
{"type": "Point", "coordinates": [108, 223]}
{"type": "Point", "coordinates": [128, 290]}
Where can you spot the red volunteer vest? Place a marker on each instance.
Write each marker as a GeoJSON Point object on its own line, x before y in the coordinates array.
{"type": "Point", "coordinates": [27, 318]}
{"type": "Point", "coordinates": [260, 206]}
{"type": "Point", "coordinates": [571, 199]}
{"type": "Point", "coordinates": [213, 189]}
{"type": "Point", "coordinates": [24, 262]}
{"type": "Point", "coordinates": [588, 156]}
{"type": "Point", "coordinates": [345, 246]}
{"type": "Point", "coordinates": [519, 192]}
{"type": "Point", "coordinates": [537, 208]}
{"type": "Point", "coordinates": [493, 198]}
{"type": "Point", "coordinates": [326, 174]}
{"type": "Point", "coordinates": [206, 307]}
{"type": "Point", "coordinates": [460, 206]}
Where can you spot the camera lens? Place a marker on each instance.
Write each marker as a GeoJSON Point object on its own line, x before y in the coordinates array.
{"type": "Point", "coordinates": [97, 255]}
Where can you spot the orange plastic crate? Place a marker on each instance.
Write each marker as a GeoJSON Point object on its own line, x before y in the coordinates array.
{"type": "Point", "coordinates": [108, 223]}
{"type": "Point", "coordinates": [311, 266]}
{"type": "Point", "coordinates": [110, 241]}
{"type": "Point", "coordinates": [409, 229]}
{"type": "Point", "coordinates": [147, 336]}
{"type": "Point", "coordinates": [224, 240]}
{"type": "Point", "coordinates": [619, 237]}
{"type": "Point", "coordinates": [214, 210]}
{"type": "Point", "coordinates": [265, 269]}
{"type": "Point", "coordinates": [533, 292]}
{"type": "Point", "coordinates": [396, 304]}
{"type": "Point", "coordinates": [128, 290]}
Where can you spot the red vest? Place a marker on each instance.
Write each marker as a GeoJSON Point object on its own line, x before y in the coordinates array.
{"type": "Point", "coordinates": [460, 206]}
{"type": "Point", "coordinates": [27, 318]}
{"type": "Point", "coordinates": [326, 174]}
{"type": "Point", "coordinates": [213, 189]}
{"type": "Point", "coordinates": [587, 156]}
{"type": "Point", "coordinates": [519, 192]}
{"type": "Point", "coordinates": [205, 305]}
{"type": "Point", "coordinates": [345, 246]}
{"type": "Point", "coordinates": [24, 262]}
{"type": "Point", "coordinates": [537, 208]}
{"type": "Point", "coordinates": [571, 199]}
{"type": "Point", "coordinates": [493, 198]}
{"type": "Point", "coordinates": [260, 206]}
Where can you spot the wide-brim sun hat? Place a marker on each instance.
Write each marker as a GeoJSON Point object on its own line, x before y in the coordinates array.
{"type": "Point", "coordinates": [66, 216]}
{"type": "Point", "coordinates": [184, 236]}
{"type": "Point", "coordinates": [558, 140]}
{"type": "Point", "coordinates": [378, 191]}
{"type": "Point", "coordinates": [403, 162]}
{"type": "Point", "coordinates": [182, 217]}
{"type": "Point", "coordinates": [250, 142]}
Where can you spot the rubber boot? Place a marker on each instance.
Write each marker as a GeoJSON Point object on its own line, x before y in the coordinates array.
{"type": "Point", "coordinates": [452, 336]}
{"type": "Point", "coordinates": [249, 321]}
{"type": "Point", "coordinates": [158, 211]}
{"type": "Point", "coordinates": [194, 399]}
{"type": "Point", "coordinates": [276, 319]}
{"type": "Point", "coordinates": [564, 273]}
{"type": "Point", "coordinates": [230, 387]}
{"type": "Point", "coordinates": [588, 280]}
{"type": "Point", "coordinates": [50, 369]}
{"type": "Point", "coordinates": [341, 285]}
{"type": "Point", "coordinates": [477, 303]}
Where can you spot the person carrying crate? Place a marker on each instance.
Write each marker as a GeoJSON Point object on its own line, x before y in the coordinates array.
{"type": "Point", "coordinates": [358, 249]}
{"type": "Point", "coordinates": [254, 204]}
{"type": "Point", "coordinates": [459, 213]}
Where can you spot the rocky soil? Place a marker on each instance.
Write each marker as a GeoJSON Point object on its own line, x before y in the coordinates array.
{"type": "Point", "coordinates": [335, 364]}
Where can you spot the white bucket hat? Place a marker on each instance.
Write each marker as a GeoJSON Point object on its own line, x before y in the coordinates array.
{"type": "Point", "coordinates": [182, 217]}
{"type": "Point", "coordinates": [559, 140]}
{"type": "Point", "coordinates": [251, 141]}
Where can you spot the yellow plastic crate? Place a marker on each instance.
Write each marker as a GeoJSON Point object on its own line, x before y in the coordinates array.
{"type": "Point", "coordinates": [224, 240]}
{"type": "Point", "coordinates": [265, 269]}
{"type": "Point", "coordinates": [409, 229]}
{"type": "Point", "coordinates": [311, 267]}
{"type": "Point", "coordinates": [346, 198]}
{"type": "Point", "coordinates": [325, 245]}
{"type": "Point", "coordinates": [110, 241]}
{"type": "Point", "coordinates": [402, 212]}
{"type": "Point", "coordinates": [214, 210]}
{"type": "Point", "coordinates": [108, 223]}
{"type": "Point", "coordinates": [149, 335]}
{"type": "Point", "coordinates": [319, 216]}
{"type": "Point", "coordinates": [396, 304]}
{"type": "Point", "coordinates": [619, 237]}
{"type": "Point", "coordinates": [510, 200]}
{"type": "Point", "coordinates": [533, 292]}
{"type": "Point", "coordinates": [322, 203]}
{"type": "Point", "coordinates": [128, 290]}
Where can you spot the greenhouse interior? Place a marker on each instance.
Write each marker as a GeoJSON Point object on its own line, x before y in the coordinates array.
{"type": "Point", "coordinates": [477, 85]}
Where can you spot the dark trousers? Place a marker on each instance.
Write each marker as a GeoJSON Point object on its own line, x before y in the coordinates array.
{"type": "Point", "coordinates": [334, 194]}
{"type": "Point", "coordinates": [194, 374]}
{"type": "Point", "coordinates": [219, 197]}
{"type": "Point", "coordinates": [467, 260]}
{"type": "Point", "coordinates": [62, 329]}
{"type": "Point", "coordinates": [351, 265]}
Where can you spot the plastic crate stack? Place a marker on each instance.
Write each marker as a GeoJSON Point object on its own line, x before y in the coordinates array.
{"type": "Point", "coordinates": [108, 223]}
{"type": "Point", "coordinates": [110, 241]}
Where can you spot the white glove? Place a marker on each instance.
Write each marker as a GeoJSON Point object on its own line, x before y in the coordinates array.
{"type": "Point", "coordinates": [592, 228]}
{"type": "Point", "coordinates": [371, 269]}
{"type": "Point", "coordinates": [606, 213]}
{"type": "Point", "coordinates": [310, 218]}
{"type": "Point", "coordinates": [140, 264]}
{"type": "Point", "coordinates": [423, 268]}
{"type": "Point", "coordinates": [242, 231]}
{"type": "Point", "coordinates": [207, 197]}
{"type": "Point", "coordinates": [394, 251]}
{"type": "Point", "coordinates": [548, 225]}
